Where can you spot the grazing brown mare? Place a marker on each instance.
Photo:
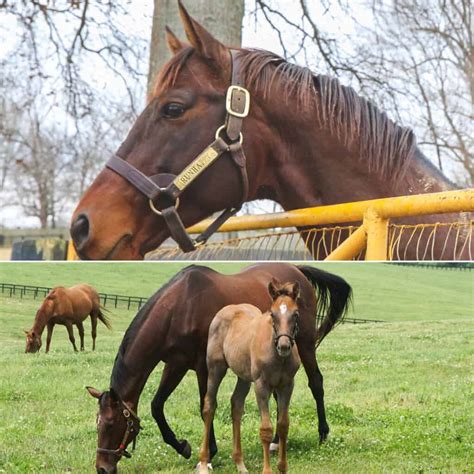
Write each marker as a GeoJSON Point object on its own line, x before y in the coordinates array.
{"type": "Point", "coordinates": [308, 140]}
{"type": "Point", "coordinates": [258, 348]}
{"type": "Point", "coordinates": [66, 306]}
{"type": "Point", "coordinates": [173, 327]}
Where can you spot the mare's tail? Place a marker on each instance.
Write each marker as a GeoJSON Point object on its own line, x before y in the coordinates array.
{"type": "Point", "coordinates": [102, 317]}
{"type": "Point", "coordinates": [333, 298]}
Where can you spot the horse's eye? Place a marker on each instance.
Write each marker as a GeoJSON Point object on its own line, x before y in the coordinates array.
{"type": "Point", "coordinates": [172, 110]}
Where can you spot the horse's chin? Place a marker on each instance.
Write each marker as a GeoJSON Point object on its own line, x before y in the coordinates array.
{"type": "Point", "coordinates": [120, 249]}
{"type": "Point", "coordinates": [127, 247]}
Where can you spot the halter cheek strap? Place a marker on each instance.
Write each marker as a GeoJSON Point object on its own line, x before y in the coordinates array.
{"type": "Point", "coordinates": [131, 418]}
{"type": "Point", "coordinates": [169, 187]}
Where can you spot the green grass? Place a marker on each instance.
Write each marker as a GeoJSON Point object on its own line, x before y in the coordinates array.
{"type": "Point", "coordinates": [399, 395]}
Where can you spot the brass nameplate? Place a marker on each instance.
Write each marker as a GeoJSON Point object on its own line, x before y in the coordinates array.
{"type": "Point", "coordinates": [195, 168]}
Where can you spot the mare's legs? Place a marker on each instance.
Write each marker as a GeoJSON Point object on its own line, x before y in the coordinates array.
{"type": "Point", "coordinates": [50, 327]}
{"type": "Point", "coordinates": [201, 373]}
{"type": "Point", "coordinates": [93, 328]}
{"type": "Point", "coordinates": [70, 331]}
{"type": "Point", "coordinates": [80, 328]}
{"type": "Point", "coordinates": [315, 383]}
{"type": "Point", "coordinates": [283, 424]}
{"type": "Point", "coordinates": [263, 395]}
{"type": "Point", "coordinates": [217, 370]}
{"type": "Point", "coordinates": [170, 379]}
{"type": "Point", "coordinates": [237, 402]}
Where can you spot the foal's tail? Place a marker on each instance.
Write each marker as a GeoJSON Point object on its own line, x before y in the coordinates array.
{"type": "Point", "coordinates": [102, 317]}
{"type": "Point", "coordinates": [333, 298]}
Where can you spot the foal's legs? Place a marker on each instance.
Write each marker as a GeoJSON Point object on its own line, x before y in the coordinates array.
{"type": "Point", "coordinates": [93, 328]}
{"type": "Point", "coordinates": [50, 327]}
{"type": "Point", "coordinates": [70, 331]}
{"type": "Point", "coordinates": [315, 383]}
{"type": "Point", "coordinates": [217, 370]}
{"type": "Point", "coordinates": [263, 395]}
{"type": "Point", "coordinates": [80, 328]}
{"type": "Point", "coordinates": [283, 424]}
{"type": "Point", "coordinates": [237, 402]}
{"type": "Point", "coordinates": [276, 440]}
{"type": "Point", "coordinates": [170, 379]}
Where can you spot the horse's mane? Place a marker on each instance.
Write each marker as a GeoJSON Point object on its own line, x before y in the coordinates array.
{"type": "Point", "coordinates": [386, 147]}
{"type": "Point", "coordinates": [120, 370]}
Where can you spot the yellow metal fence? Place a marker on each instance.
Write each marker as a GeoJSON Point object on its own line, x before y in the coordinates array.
{"type": "Point", "coordinates": [326, 232]}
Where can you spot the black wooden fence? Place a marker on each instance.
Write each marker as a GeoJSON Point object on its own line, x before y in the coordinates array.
{"type": "Point", "coordinates": [22, 291]}
{"type": "Point", "coordinates": [131, 302]}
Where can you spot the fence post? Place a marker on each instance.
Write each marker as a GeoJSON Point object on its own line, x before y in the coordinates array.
{"type": "Point", "coordinates": [377, 235]}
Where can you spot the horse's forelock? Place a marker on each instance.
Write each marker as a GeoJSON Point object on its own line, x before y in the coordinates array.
{"type": "Point", "coordinates": [169, 73]}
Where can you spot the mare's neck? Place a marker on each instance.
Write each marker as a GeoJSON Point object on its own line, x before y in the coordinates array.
{"type": "Point", "coordinates": [41, 319]}
{"type": "Point", "coordinates": [307, 166]}
{"type": "Point", "coordinates": [132, 369]}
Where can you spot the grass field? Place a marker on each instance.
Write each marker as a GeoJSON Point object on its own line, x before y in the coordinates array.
{"type": "Point", "coordinates": [399, 394]}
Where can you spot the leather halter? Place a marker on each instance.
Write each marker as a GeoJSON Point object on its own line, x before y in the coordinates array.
{"type": "Point", "coordinates": [228, 139]}
{"type": "Point", "coordinates": [131, 417]}
{"type": "Point", "coordinates": [291, 337]}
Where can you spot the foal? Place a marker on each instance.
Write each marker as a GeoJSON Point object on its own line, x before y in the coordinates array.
{"type": "Point", "coordinates": [66, 306]}
{"type": "Point", "coordinates": [258, 348]}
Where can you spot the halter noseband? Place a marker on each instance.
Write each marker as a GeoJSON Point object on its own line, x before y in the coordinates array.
{"type": "Point", "coordinates": [291, 337]}
{"type": "Point", "coordinates": [171, 186]}
{"type": "Point", "coordinates": [131, 417]}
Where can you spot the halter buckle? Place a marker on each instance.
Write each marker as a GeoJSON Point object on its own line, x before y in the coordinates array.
{"type": "Point", "coordinates": [243, 97]}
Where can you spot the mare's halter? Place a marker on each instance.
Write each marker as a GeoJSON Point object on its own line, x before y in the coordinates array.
{"type": "Point", "coordinates": [133, 426]}
{"type": "Point", "coordinates": [170, 186]}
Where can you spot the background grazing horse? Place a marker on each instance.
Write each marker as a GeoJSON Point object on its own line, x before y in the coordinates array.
{"type": "Point", "coordinates": [173, 327]}
{"type": "Point", "coordinates": [66, 306]}
{"type": "Point", "coordinates": [308, 140]}
{"type": "Point", "coordinates": [258, 348]}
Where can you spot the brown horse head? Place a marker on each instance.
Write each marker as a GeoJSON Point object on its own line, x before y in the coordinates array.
{"type": "Point", "coordinates": [185, 109]}
{"type": "Point", "coordinates": [33, 341]}
{"type": "Point", "coordinates": [285, 315]}
{"type": "Point", "coordinates": [117, 427]}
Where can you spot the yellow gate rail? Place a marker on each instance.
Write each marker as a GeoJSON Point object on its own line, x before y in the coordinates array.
{"type": "Point", "coordinates": [374, 214]}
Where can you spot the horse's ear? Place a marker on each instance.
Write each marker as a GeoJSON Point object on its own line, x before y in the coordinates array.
{"type": "Point", "coordinates": [273, 287]}
{"type": "Point", "coordinates": [201, 40]}
{"type": "Point", "coordinates": [26, 332]}
{"type": "Point", "coordinates": [296, 291]}
{"type": "Point", "coordinates": [175, 45]}
{"type": "Point", "coordinates": [94, 392]}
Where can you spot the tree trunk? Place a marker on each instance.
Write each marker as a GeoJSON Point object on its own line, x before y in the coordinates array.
{"type": "Point", "coordinates": [223, 18]}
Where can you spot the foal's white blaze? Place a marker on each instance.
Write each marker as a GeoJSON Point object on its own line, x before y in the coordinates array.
{"type": "Point", "coordinates": [283, 308]}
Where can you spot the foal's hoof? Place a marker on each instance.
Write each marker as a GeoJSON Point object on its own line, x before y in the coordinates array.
{"type": "Point", "coordinates": [185, 449]}
{"type": "Point", "coordinates": [273, 447]}
{"type": "Point", "coordinates": [204, 467]}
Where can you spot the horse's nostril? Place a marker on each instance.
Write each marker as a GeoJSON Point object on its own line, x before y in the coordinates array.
{"type": "Point", "coordinates": [80, 230]}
